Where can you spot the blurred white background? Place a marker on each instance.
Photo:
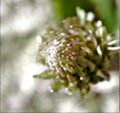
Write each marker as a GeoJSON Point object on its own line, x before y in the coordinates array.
{"type": "Point", "coordinates": [21, 22]}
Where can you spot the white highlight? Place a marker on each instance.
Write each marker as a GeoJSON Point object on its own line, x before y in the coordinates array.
{"type": "Point", "coordinates": [39, 39]}
{"type": "Point", "coordinates": [62, 34]}
{"type": "Point", "coordinates": [99, 50]}
{"type": "Point", "coordinates": [81, 78]}
{"type": "Point", "coordinates": [109, 37]}
{"type": "Point", "coordinates": [56, 42]}
{"type": "Point", "coordinates": [81, 14]}
{"type": "Point", "coordinates": [90, 16]}
{"type": "Point", "coordinates": [50, 89]}
{"type": "Point", "coordinates": [113, 48]}
{"type": "Point", "coordinates": [112, 42]}
{"type": "Point", "coordinates": [99, 23]}
{"type": "Point", "coordinates": [99, 32]}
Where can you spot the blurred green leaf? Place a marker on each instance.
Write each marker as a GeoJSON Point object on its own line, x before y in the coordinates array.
{"type": "Point", "coordinates": [65, 8]}
{"type": "Point", "coordinates": [106, 10]}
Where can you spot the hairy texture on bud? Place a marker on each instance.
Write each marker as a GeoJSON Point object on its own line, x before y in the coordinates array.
{"type": "Point", "coordinates": [76, 53]}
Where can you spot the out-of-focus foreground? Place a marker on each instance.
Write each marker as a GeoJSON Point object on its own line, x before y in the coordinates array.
{"type": "Point", "coordinates": [21, 22]}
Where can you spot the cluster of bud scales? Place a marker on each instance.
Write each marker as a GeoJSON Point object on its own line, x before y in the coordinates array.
{"type": "Point", "coordinates": [77, 53]}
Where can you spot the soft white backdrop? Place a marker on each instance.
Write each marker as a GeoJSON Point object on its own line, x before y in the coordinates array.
{"type": "Point", "coordinates": [21, 22]}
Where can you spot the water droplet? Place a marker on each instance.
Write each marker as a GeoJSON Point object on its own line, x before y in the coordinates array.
{"type": "Point", "coordinates": [51, 90]}
{"type": "Point", "coordinates": [81, 78]}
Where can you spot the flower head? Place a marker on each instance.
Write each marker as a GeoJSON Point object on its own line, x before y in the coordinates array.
{"type": "Point", "coordinates": [76, 52]}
